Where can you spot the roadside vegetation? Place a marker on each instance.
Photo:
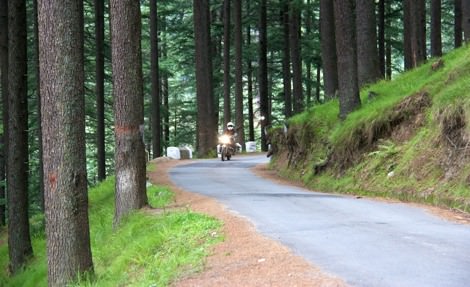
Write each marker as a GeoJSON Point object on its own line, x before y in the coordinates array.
{"type": "Point", "coordinates": [410, 140]}
{"type": "Point", "coordinates": [152, 247]}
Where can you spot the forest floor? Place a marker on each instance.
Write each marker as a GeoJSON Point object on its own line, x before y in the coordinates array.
{"type": "Point", "coordinates": [245, 257]}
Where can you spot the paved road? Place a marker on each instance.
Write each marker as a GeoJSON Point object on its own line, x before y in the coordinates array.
{"type": "Point", "coordinates": [367, 243]}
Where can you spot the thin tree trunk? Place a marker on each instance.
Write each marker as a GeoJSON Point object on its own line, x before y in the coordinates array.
{"type": "Point", "coordinates": [63, 122]}
{"type": "Point", "coordinates": [308, 61]}
{"type": "Point", "coordinates": [154, 71]}
{"type": "Point", "coordinates": [263, 75]}
{"type": "Point", "coordinates": [99, 88]}
{"type": "Point", "coordinates": [318, 86]}
{"type": "Point", "coordinates": [38, 91]}
{"type": "Point", "coordinates": [367, 56]}
{"type": "Point", "coordinates": [388, 44]}
{"type": "Point", "coordinates": [297, 89]}
{"type": "Point", "coordinates": [19, 241]}
{"type": "Point", "coordinates": [239, 72]}
{"type": "Point", "coordinates": [457, 23]}
{"type": "Point", "coordinates": [407, 34]}
{"type": "Point", "coordinates": [286, 71]}
{"type": "Point", "coordinates": [328, 49]}
{"type": "Point", "coordinates": [206, 122]}
{"type": "Point", "coordinates": [381, 36]}
{"type": "Point", "coordinates": [4, 95]}
{"type": "Point", "coordinates": [436, 39]}
{"type": "Point", "coordinates": [347, 59]}
{"type": "Point", "coordinates": [466, 20]}
{"type": "Point", "coordinates": [128, 108]}
{"type": "Point", "coordinates": [226, 57]}
{"type": "Point", "coordinates": [249, 72]}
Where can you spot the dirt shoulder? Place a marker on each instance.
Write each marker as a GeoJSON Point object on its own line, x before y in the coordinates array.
{"type": "Point", "coordinates": [244, 258]}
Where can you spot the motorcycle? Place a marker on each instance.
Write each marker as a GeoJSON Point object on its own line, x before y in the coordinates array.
{"type": "Point", "coordinates": [226, 147]}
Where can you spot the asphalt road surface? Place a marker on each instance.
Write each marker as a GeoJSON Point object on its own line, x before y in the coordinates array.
{"type": "Point", "coordinates": [364, 242]}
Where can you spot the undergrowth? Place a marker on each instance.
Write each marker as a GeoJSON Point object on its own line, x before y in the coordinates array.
{"type": "Point", "coordinates": [152, 247]}
{"type": "Point", "coordinates": [409, 141]}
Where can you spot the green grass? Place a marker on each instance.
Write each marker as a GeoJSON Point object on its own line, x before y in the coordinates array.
{"type": "Point", "coordinates": [148, 249]}
{"type": "Point", "coordinates": [418, 163]}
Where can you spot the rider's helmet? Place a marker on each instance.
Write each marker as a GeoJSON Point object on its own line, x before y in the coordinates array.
{"type": "Point", "coordinates": [230, 126]}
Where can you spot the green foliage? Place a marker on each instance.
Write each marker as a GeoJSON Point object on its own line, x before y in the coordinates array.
{"type": "Point", "coordinates": [150, 248]}
{"type": "Point", "coordinates": [422, 158]}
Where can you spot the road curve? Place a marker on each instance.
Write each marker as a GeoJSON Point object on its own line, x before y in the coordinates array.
{"type": "Point", "coordinates": [365, 242]}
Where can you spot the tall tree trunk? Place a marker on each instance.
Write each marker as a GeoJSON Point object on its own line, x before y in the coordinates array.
{"type": "Point", "coordinates": [381, 36]}
{"type": "Point", "coordinates": [249, 75]}
{"type": "Point", "coordinates": [407, 34]}
{"type": "Point", "coordinates": [466, 20]}
{"type": "Point", "coordinates": [99, 88]}
{"type": "Point", "coordinates": [318, 86]}
{"type": "Point", "coordinates": [206, 120]}
{"type": "Point", "coordinates": [226, 57]}
{"type": "Point", "coordinates": [239, 72]}
{"type": "Point", "coordinates": [388, 43]}
{"type": "Point", "coordinates": [4, 95]}
{"type": "Point", "coordinates": [263, 75]}
{"type": "Point", "coordinates": [165, 89]}
{"type": "Point", "coordinates": [436, 39]}
{"type": "Point", "coordinates": [297, 90]}
{"type": "Point", "coordinates": [367, 55]}
{"type": "Point", "coordinates": [19, 241]}
{"type": "Point", "coordinates": [457, 23]}
{"type": "Point", "coordinates": [63, 122]}
{"type": "Point", "coordinates": [308, 61]}
{"type": "Point", "coordinates": [38, 91]}
{"type": "Point", "coordinates": [154, 71]}
{"type": "Point", "coordinates": [328, 48]}
{"type": "Point", "coordinates": [347, 59]}
{"type": "Point", "coordinates": [128, 107]}
{"type": "Point", "coordinates": [286, 72]}
{"type": "Point", "coordinates": [415, 33]}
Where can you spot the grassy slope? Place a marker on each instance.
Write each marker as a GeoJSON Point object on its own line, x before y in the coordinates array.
{"type": "Point", "coordinates": [147, 250]}
{"type": "Point", "coordinates": [430, 165]}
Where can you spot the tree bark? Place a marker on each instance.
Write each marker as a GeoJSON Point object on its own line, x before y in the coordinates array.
{"type": "Point", "coordinates": [263, 75]}
{"type": "Point", "coordinates": [388, 43]}
{"type": "Point", "coordinates": [239, 72]}
{"type": "Point", "coordinates": [154, 71]}
{"type": "Point", "coordinates": [128, 107]}
{"type": "Point", "coordinates": [99, 89]}
{"type": "Point", "coordinates": [347, 59]}
{"type": "Point", "coordinates": [249, 72]}
{"type": "Point", "coordinates": [436, 38]}
{"type": "Point", "coordinates": [19, 241]}
{"type": "Point", "coordinates": [367, 55]}
{"type": "Point", "coordinates": [286, 71]}
{"type": "Point", "coordinates": [466, 20]}
{"type": "Point", "coordinates": [206, 120]}
{"type": "Point", "coordinates": [415, 33]}
{"type": "Point", "coordinates": [407, 34]}
{"type": "Point", "coordinates": [457, 23]}
{"type": "Point", "coordinates": [297, 90]}
{"type": "Point", "coordinates": [328, 49]}
{"type": "Point", "coordinates": [63, 122]}
{"type": "Point", "coordinates": [38, 109]}
{"type": "Point", "coordinates": [226, 57]}
{"type": "Point", "coordinates": [381, 36]}
{"type": "Point", "coordinates": [4, 95]}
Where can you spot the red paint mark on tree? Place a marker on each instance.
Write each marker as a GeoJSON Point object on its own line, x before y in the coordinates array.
{"type": "Point", "coordinates": [52, 179]}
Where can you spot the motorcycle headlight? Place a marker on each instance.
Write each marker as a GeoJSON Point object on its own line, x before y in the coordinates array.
{"type": "Point", "coordinates": [225, 139]}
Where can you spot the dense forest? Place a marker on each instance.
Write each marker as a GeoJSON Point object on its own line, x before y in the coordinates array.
{"type": "Point", "coordinates": [92, 88]}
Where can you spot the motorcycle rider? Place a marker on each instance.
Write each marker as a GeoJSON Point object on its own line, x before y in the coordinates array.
{"type": "Point", "coordinates": [230, 131]}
